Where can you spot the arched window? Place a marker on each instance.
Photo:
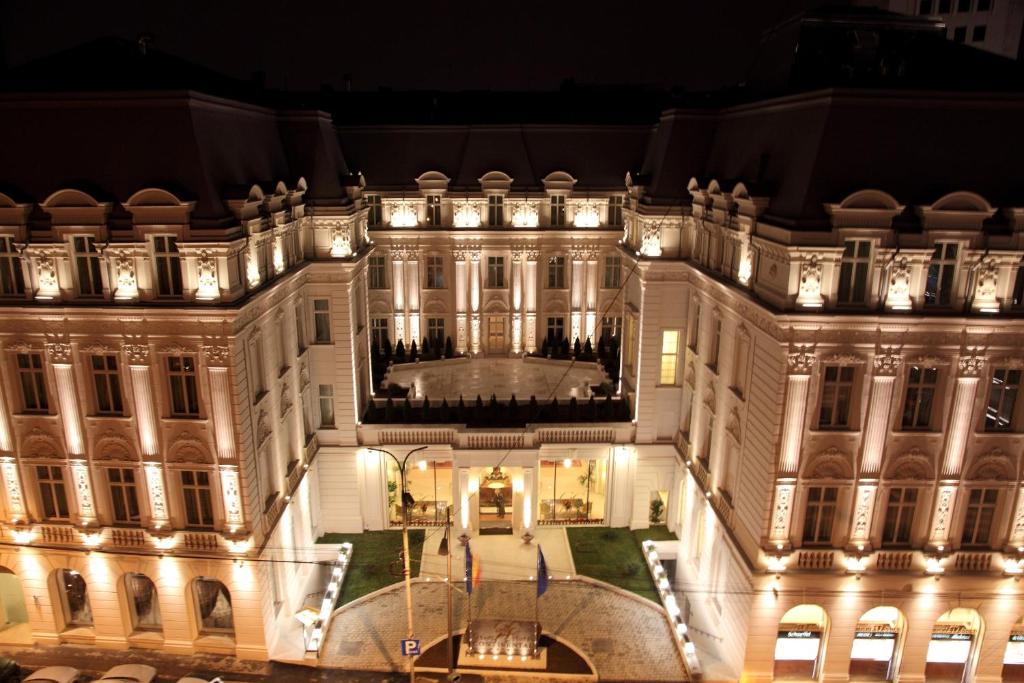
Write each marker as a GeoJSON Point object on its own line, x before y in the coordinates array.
{"type": "Point", "coordinates": [876, 645]}
{"type": "Point", "coordinates": [213, 607]}
{"type": "Point", "coordinates": [74, 598]}
{"type": "Point", "coordinates": [953, 647]}
{"type": "Point", "coordinates": [1013, 659]}
{"type": "Point", "coordinates": [142, 602]}
{"type": "Point", "coordinates": [800, 643]}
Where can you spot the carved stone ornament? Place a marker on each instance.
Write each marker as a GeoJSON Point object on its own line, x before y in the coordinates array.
{"type": "Point", "coordinates": [650, 244]}
{"type": "Point", "coordinates": [39, 444]}
{"type": "Point", "coordinates": [710, 400]}
{"type": "Point", "coordinates": [690, 376]}
{"type": "Point", "coordinates": [137, 354]}
{"type": "Point", "coordinates": [467, 215]}
{"type": "Point", "coordinates": [46, 271]}
{"type": "Point", "coordinates": [943, 510]}
{"type": "Point", "coordinates": [993, 466]}
{"type": "Point", "coordinates": [781, 512]}
{"type": "Point", "coordinates": [189, 448]}
{"type": "Point", "coordinates": [831, 463]}
{"type": "Point", "coordinates": [865, 501]}
{"type": "Point", "coordinates": [59, 352]}
{"type": "Point", "coordinates": [303, 376]}
{"type": "Point", "coordinates": [113, 446]}
{"type": "Point", "coordinates": [524, 215]}
{"type": "Point", "coordinates": [286, 399]}
{"type": "Point", "coordinates": [95, 348]}
{"type": "Point", "coordinates": [988, 276]}
{"type": "Point", "coordinates": [262, 428]}
{"type": "Point", "coordinates": [801, 361]}
{"type": "Point", "coordinates": [533, 255]}
{"type": "Point", "coordinates": [809, 294]}
{"type": "Point", "coordinates": [971, 366]}
{"type": "Point", "coordinates": [459, 254]}
{"type": "Point", "coordinates": [887, 361]}
{"type": "Point", "coordinates": [732, 425]}
{"type": "Point", "coordinates": [915, 464]}
{"type": "Point", "coordinates": [217, 355]}
{"type": "Point", "coordinates": [125, 267]}
{"type": "Point", "coordinates": [898, 297]}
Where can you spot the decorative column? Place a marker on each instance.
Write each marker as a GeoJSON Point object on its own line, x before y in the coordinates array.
{"type": "Point", "coordinates": [474, 302]}
{"type": "Point", "coordinates": [591, 295]}
{"type": "Point", "coordinates": [159, 515]}
{"type": "Point", "coordinates": [231, 492]}
{"type": "Point", "coordinates": [461, 306]}
{"type": "Point", "coordinates": [957, 431]}
{"type": "Point", "coordinates": [517, 301]}
{"type": "Point", "coordinates": [576, 295]}
{"type": "Point", "coordinates": [801, 363]}
{"type": "Point", "coordinates": [142, 397]}
{"type": "Point", "coordinates": [398, 293]}
{"type": "Point", "coordinates": [6, 435]}
{"type": "Point", "coordinates": [13, 489]}
{"type": "Point", "coordinates": [217, 360]}
{"type": "Point", "coordinates": [412, 284]}
{"type": "Point", "coordinates": [883, 382]}
{"type": "Point", "coordinates": [67, 396]}
{"type": "Point", "coordinates": [530, 299]}
{"type": "Point", "coordinates": [83, 492]}
{"type": "Point", "coordinates": [464, 496]}
{"type": "Point", "coordinates": [1016, 539]}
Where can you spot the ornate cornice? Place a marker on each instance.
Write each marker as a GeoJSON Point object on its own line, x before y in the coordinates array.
{"type": "Point", "coordinates": [802, 360]}
{"type": "Point", "coordinates": [887, 362]}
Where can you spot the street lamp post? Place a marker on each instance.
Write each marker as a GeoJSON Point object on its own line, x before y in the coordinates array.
{"type": "Point", "coordinates": [407, 504]}
{"type": "Point", "coordinates": [446, 550]}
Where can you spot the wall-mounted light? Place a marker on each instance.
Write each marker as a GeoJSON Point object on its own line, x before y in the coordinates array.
{"type": "Point", "coordinates": [934, 566]}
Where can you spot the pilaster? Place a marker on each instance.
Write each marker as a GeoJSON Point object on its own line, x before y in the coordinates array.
{"type": "Point", "coordinates": [801, 364]}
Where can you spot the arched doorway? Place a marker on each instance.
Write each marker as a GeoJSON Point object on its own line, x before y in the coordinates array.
{"type": "Point", "coordinates": [800, 645]}
{"type": "Point", "coordinates": [876, 645]}
{"type": "Point", "coordinates": [954, 644]}
{"type": "Point", "coordinates": [1013, 659]}
{"type": "Point", "coordinates": [14, 628]}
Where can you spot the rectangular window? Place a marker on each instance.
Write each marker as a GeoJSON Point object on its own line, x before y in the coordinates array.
{"type": "Point", "coordinates": [740, 364]}
{"type": "Point", "coordinates": [435, 330]}
{"type": "Point", "coordinates": [612, 271]}
{"type": "Point", "coordinates": [378, 332]}
{"type": "Point", "coordinates": [978, 34]}
{"type": "Point", "coordinates": [12, 279]}
{"type": "Point", "coordinates": [610, 326]}
{"type": "Point", "coordinates": [124, 498]}
{"type": "Point", "coordinates": [495, 211]}
{"type": "Point", "coordinates": [981, 510]}
{"type": "Point", "coordinates": [716, 344]}
{"type": "Point", "coordinates": [820, 515]}
{"type": "Point", "coordinates": [693, 332]}
{"type": "Point", "coordinates": [944, 6]}
{"type": "Point", "coordinates": [836, 392]}
{"type": "Point", "coordinates": [917, 407]}
{"type": "Point", "coordinates": [960, 34]}
{"type": "Point", "coordinates": [899, 517]}
{"type": "Point", "coordinates": [495, 271]}
{"type": "Point", "coordinates": [107, 384]}
{"type": "Point", "coordinates": [854, 271]}
{"type": "Point", "coordinates": [258, 375]}
{"type": "Point", "coordinates": [984, 6]}
{"type": "Point", "coordinates": [300, 327]}
{"type": "Point", "coordinates": [195, 490]}
{"type": "Point", "coordinates": [433, 210]}
{"type": "Point", "coordinates": [941, 271]}
{"type": "Point", "coordinates": [377, 273]}
{"type": "Point", "coordinates": [925, 7]}
{"type": "Point", "coordinates": [33, 383]}
{"type": "Point", "coordinates": [615, 211]}
{"type": "Point", "coordinates": [375, 212]}
{"type": "Point", "coordinates": [558, 211]}
{"type": "Point", "coordinates": [326, 406]}
{"type": "Point", "coordinates": [963, 6]}
{"type": "Point", "coordinates": [322, 321]}
{"type": "Point", "coordinates": [556, 329]}
{"type": "Point", "coordinates": [435, 272]}
{"type": "Point", "coordinates": [181, 375]}
{"type": "Point", "coordinates": [168, 266]}
{"type": "Point", "coordinates": [669, 356]}
{"type": "Point", "coordinates": [52, 492]}
{"type": "Point", "coordinates": [1002, 397]}
{"type": "Point", "coordinates": [87, 266]}
{"type": "Point", "coordinates": [556, 272]}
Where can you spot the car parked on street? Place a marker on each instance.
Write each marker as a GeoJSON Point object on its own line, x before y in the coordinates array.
{"type": "Point", "coordinates": [55, 674]}
{"type": "Point", "coordinates": [129, 673]}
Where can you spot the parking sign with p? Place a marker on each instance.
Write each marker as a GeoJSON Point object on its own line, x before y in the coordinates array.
{"type": "Point", "coordinates": [410, 647]}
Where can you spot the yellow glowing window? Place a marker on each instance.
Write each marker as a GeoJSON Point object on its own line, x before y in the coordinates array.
{"type": "Point", "coordinates": [669, 355]}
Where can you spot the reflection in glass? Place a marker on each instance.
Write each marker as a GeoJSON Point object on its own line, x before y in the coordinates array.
{"type": "Point", "coordinates": [74, 598]}
{"type": "Point", "coordinates": [430, 483]}
{"type": "Point", "coordinates": [213, 604]}
{"type": "Point", "coordinates": [572, 491]}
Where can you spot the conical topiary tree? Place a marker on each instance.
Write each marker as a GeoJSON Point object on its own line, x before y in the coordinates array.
{"type": "Point", "coordinates": [389, 410]}
{"type": "Point", "coordinates": [413, 352]}
{"type": "Point", "coordinates": [387, 348]}
{"type": "Point", "coordinates": [400, 351]}
{"type": "Point", "coordinates": [425, 410]}
{"type": "Point", "coordinates": [588, 348]}
{"type": "Point", "coordinates": [576, 348]}
{"type": "Point", "coordinates": [425, 348]}
{"type": "Point", "coordinates": [448, 353]}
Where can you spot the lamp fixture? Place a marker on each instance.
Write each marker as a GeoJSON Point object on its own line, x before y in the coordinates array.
{"type": "Point", "coordinates": [496, 479]}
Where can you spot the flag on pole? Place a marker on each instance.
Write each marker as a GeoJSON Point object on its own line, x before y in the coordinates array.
{"type": "Point", "coordinates": [472, 571]}
{"type": "Point", "coordinates": [542, 573]}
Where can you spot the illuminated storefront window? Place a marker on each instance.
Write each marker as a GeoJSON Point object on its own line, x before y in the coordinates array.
{"type": "Point", "coordinates": [430, 483]}
{"type": "Point", "coordinates": [1013, 659]}
{"type": "Point", "coordinates": [798, 649]}
{"type": "Point", "coordinates": [875, 645]}
{"type": "Point", "coordinates": [951, 649]}
{"type": "Point", "coordinates": [572, 491]}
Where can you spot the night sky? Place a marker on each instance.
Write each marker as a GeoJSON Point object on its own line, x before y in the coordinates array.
{"type": "Point", "coordinates": [442, 45]}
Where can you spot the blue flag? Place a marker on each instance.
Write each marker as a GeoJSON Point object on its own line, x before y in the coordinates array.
{"type": "Point", "coordinates": [469, 571]}
{"type": "Point", "coordinates": [542, 573]}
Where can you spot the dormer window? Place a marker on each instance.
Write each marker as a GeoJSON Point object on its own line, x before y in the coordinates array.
{"type": "Point", "coordinates": [938, 290]}
{"type": "Point", "coordinates": [495, 211]}
{"type": "Point", "coordinates": [87, 266]}
{"type": "Point", "coordinates": [168, 265]}
{"type": "Point", "coordinates": [12, 281]}
{"type": "Point", "coordinates": [615, 211]}
{"type": "Point", "coordinates": [375, 211]}
{"type": "Point", "coordinates": [433, 210]}
{"type": "Point", "coordinates": [558, 211]}
{"type": "Point", "coordinates": [854, 272]}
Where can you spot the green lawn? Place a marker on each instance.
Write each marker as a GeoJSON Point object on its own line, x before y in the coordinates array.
{"type": "Point", "coordinates": [614, 556]}
{"type": "Point", "coordinates": [375, 560]}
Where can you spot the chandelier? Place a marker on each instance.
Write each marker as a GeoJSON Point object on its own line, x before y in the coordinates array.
{"type": "Point", "coordinates": [496, 479]}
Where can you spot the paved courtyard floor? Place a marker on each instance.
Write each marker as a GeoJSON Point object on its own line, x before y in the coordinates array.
{"type": "Point", "coordinates": [504, 557]}
{"type": "Point", "coordinates": [499, 376]}
{"type": "Point", "coordinates": [626, 638]}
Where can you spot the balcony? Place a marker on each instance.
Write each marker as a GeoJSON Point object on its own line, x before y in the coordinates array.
{"type": "Point", "coordinates": [466, 436]}
{"type": "Point", "coordinates": [494, 413]}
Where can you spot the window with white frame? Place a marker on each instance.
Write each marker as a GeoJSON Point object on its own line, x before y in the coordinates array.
{"type": "Point", "coordinates": [556, 272]}
{"type": "Point", "coordinates": [495, 271]}
{"type": "Point", "coordinates": [326, 406]}
{"type": "Point", "coordinates": [167, 261]}
{"type": "Point", "coordinates": [558, 211]}
{"type": "Point", "coordinates": [106, 383]}
{"type": "Point", "coordinates": [1002, 398]}
{"type": "Point", "coordinates": [981, 512]}
{"type": "Point", "coordinates": [32, 378]}
{"type": "Point", "coordinates": [377, 272]}
{"type": "Point", "coordinates": [435, 272]}
{"type": "Point", "coordinates": [124, 497]}
{"type": "Point", "coordinates": [610, 326]}
{"type": "Point", "coordinates": [378, 332]}
{"type": "Point", "coordinates": [12, 279]}
{"type": "Point", "coordinates": [181, 377]}
{"type": "Point", "coordinates": [375, 211]}
{"type": "Point", "coordinates": [836, 394]}
{"type": "Point", "coordinates": [322, 321]}
{"type": "Point", "coordinates": [669, 357]}
{"type": "Point", "coordinates": [52, 492]}
{"type": "Point", "coordinates": [714, 351]}
{"type": "Point", "coordinates": [435, 330]}
{"type": "Point", "coordinates": [615, 211]}
{"type": "Point", "coordinates": [433, 210]}
{"type": "Point", "coordinates": [198, 498]}
{"type": "Point", "coordinates": [899, 516]}
{"type": "Point", "coordinates": [612, 271]}
{"type": "Point", "coordinates": [920, 396]}
{"type": "Point", "coordinates": [854, 272]}
{"type": "Point", "coordinates": [88, 270]}
{"type": "Point", "coordinates": [939, 283]}
{"type": "Point", "coordinates": [556, 328]}
{"type": "Point", "coordinates": [495, 210]}
{"type": "Point", "coordinates": [820, 515]}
